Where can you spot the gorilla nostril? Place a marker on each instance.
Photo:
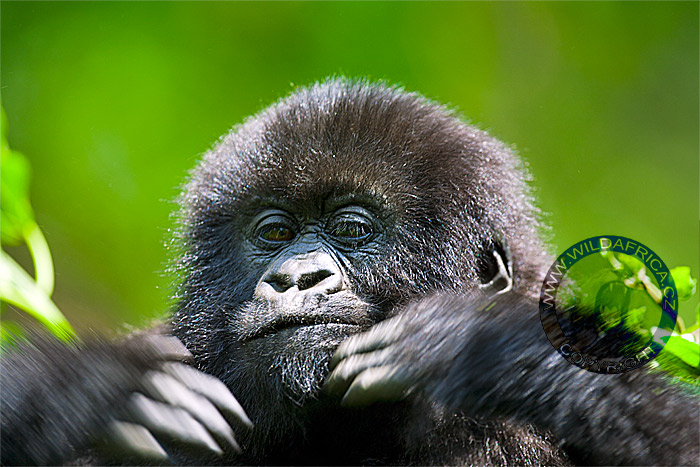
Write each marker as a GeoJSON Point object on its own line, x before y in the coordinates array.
{"type": "Point", "coordinates": [279, 282]}
{"type": "Point", "coordinates": [310, 279]}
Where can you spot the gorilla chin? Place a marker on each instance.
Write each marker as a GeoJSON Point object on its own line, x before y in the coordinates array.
{"type": "Point", "coordinates": [307, 350]}
{"type": "Point", "coordinates": [297, 344]}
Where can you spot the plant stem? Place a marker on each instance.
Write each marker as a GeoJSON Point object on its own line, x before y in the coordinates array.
{"type": "Point", "coordinates": [41, 256]}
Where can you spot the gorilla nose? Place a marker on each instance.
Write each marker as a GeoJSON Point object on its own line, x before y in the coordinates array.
{"type": "Point", "coordinates": [282, 282]}
{"type": "Point", "coordinates": [314, 273]}
{"type": "Point", "coordinates": [312, 279]}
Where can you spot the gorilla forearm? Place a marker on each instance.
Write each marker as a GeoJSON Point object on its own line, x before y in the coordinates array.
{"type": "Point", "coordinates": [508, 369]}
{"type": "Point", "coordinates": [132, 399]}
{"type": "Point", "coordinates": [56, 398]}
{"type": "Point", "coordinates": [488, 358]}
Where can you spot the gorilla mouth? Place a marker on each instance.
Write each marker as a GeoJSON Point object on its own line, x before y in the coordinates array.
{"type": "Point", "coordinates": [288, 322]}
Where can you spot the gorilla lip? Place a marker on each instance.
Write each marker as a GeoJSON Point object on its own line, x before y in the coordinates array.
{"type": "Point", "coordinates": [288, 322]}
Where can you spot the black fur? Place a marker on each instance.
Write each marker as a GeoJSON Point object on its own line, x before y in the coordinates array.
{"type": "Point", "coordinates": [484, 386]}
{"type": "Point", "coordinates": [57, 399]}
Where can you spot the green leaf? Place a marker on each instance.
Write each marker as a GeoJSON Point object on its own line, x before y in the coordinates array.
{"type": "Point", "coordinates": [670, 365]}
{"type": "Point", "coordinates": [16, 215]}
{"type": "Point", "coordinates": [697, 321]}
{"type": "Point", "coordinates": [686, 285]}
{"type": "Point", "coordinates": [17, 226]}
{"type": "Point", "coordinates": [635, 317]}
{"type": "Point", "coordinates": [688, 352]}
{"type": "Point", "coordinates": [19, 289]}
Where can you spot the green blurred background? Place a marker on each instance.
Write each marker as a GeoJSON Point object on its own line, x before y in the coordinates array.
{"type": "Point", "coordinates": [114, 102]}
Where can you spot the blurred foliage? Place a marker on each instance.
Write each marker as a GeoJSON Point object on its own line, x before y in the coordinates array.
{"type": "Point", "coordinates": [680, 356]}
{"type": "Point", "coordinates": [113, 101]}
{"type": "Point", "coordinates": [18, 227]}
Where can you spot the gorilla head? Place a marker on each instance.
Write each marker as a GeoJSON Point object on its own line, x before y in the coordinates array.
{"type": "Point", "coordinates": [330, 211]}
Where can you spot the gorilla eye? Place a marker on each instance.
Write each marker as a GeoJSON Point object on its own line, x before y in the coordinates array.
{"type": "Point", "coordinates": [351, 230]}
{"type": "Point", "coordinates": [353, 224]}
{"type": "Point", "coordinates": [277, 233]}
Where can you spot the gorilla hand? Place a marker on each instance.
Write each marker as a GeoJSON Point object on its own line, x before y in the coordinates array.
{"type": "Point", "coordinates": [178, 405]}
{"type": "Point", "coordinates": [366, 367]}
{"type": "Point", "coordinates": [408, 353]}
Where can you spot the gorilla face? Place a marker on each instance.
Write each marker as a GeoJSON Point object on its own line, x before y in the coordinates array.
{"type": "Point", "coordinates": [304, 304]}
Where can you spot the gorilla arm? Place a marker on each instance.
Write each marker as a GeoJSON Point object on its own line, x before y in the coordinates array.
{"type": "Point", "coordinates": [59, 401]}
{"type": "Point", "coordinates": [490, 359]}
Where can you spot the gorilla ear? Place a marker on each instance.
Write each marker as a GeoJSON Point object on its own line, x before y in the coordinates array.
{"type": "Point", "coordinates": [496, 269]}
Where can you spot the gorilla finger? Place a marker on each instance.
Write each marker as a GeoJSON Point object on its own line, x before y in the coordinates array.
{"type": "Point", "coordinates": [348, 369]}
{"type": "Point", "coordinates": [210, 387]}
{"type": "Point", "coordinates": [136, 440]}
{"type": "Point", "coordinates": [379, 384]}
{"type": "Point", "coordinates": [167, 347]}
{"type": "Point", "coordinates": [380, 335]}
{"type": "Point", "coordinates": [173, 422]}
{"type": "Point", "coordinates": [167, 389]}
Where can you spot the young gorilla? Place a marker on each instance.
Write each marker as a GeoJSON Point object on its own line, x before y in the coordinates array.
{"type": "Point", "coordinates": [360, 269]}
